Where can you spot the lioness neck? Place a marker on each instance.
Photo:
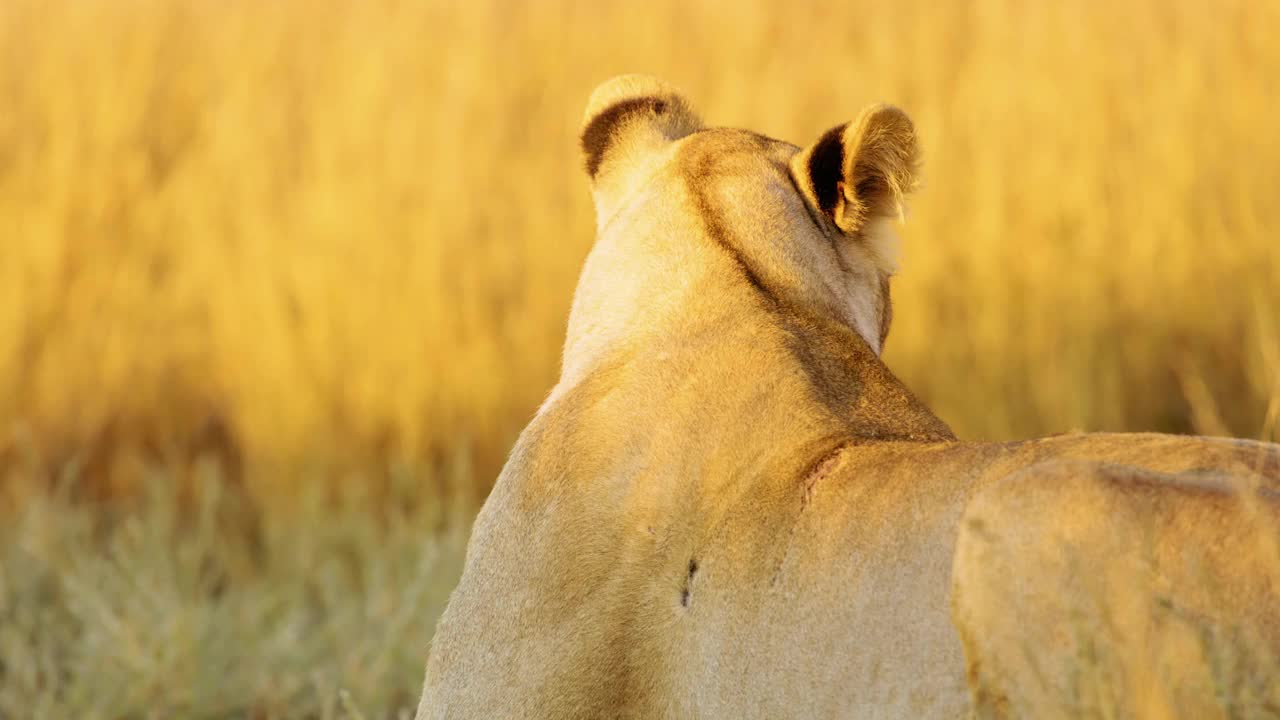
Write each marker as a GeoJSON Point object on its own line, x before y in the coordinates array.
{"type": "Point", "coordinates": [740, 377]}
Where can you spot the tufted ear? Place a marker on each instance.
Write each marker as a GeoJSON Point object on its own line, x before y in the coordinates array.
{"type": "Point", "coordinates": [860, 171]}
{"type": "Point", "coordinates": [628, 119]}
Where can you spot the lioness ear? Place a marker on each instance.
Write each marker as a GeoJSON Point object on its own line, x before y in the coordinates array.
{"type": "Point", "coordinates": [628, 119]}
{"type": "Point", "coordinates": [861, 170]}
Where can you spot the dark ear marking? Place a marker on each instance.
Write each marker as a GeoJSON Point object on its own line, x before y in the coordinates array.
{"type": "Point", "coordinates": [826, 165]}
{"type": "Point", "coordinates": [596, 135]}
{"type": "Point", "coordinates": [859, 171]}
{"type": "Point", "coordinates": [628, 119]}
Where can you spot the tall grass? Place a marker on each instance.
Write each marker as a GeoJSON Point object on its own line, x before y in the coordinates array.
{"type": "Point", "coordinates": [163, 609]}
{"type": "Point", "coordinates": [337, 234]}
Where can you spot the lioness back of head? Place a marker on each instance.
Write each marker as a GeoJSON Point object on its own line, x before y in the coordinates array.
{"type": "Point", "coordinates": [728, 506]}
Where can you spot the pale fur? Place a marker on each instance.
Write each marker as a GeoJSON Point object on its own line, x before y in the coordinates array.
{"type": "Point", "coordinates": [728, 507]}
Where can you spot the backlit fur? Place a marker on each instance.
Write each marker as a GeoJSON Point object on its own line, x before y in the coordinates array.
{"type": "Point", "coordinates": [729, 507]}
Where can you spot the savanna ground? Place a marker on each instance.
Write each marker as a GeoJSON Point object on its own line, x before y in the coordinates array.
{"type": "Point", "coordinates": [282, 281]}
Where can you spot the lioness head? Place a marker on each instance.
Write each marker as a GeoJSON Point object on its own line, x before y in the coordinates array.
{"type": "Point", "coordinates": [690, 216]}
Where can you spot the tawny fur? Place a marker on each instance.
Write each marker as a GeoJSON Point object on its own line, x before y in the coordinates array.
{"type": "Point", "coordinates": [729, 507]}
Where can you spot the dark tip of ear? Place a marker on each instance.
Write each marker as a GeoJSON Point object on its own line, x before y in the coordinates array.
{"type": "Point", "coordinates": [595, 136]}
{"type": "Point", "coordinates": [826, 168]}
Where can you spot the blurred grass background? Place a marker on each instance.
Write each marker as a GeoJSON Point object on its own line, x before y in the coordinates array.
{"type": "Point", "coordinates": [299, 247]}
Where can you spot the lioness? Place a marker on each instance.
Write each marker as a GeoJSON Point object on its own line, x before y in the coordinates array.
{"type": "Point", "coordinates": [729, 507]}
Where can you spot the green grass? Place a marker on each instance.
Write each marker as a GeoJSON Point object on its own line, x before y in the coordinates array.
{"type": "Point", "coordinates": [173, 608]}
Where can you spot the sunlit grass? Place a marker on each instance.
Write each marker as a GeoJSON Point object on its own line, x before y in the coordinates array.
{"type": "Point", "coordinates": [162, 609]}
{"type": "Point", "coordinates": [347, 232]}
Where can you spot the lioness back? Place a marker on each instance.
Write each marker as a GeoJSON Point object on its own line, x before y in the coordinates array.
{"type": "Point", "coordinates": [729, 507]}
{"type": "Point", "coordinates": [1083, 588]}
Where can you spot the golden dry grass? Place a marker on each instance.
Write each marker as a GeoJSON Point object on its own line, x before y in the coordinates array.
{"type": "Point", "coordinates": [344, 234]}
